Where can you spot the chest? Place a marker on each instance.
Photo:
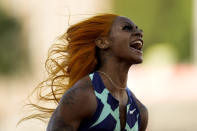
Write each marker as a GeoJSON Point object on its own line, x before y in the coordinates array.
{"type": "Point", "coordinates": [111, 116]}
{"type": "Point", "coordinates": [122, 114]}
{"type": "Point", "coordinates": [112, 112]}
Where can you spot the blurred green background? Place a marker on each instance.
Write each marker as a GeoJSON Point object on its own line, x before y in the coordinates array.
{"type": "Point", "coordinates": [14, 55]}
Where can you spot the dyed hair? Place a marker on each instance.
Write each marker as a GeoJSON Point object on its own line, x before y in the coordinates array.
{"type": "Point", "coordinates": [75, 57]}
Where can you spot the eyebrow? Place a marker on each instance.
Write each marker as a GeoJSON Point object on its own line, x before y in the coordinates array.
{"type": "Point", "coordinates": [126, 23]}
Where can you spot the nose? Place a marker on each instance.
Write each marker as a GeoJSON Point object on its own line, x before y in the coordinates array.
{"type": "Point", "coordinates": [138, 32]}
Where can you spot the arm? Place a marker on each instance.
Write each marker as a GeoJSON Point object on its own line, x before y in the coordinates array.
{"type": "Point", "coordinates": [57, 123]}
{"type": "Point", "coordinates": [144, 115]}
{"type": "Point", "coordinates": [76, 104]}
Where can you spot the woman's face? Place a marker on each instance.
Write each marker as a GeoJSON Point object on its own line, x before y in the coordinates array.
{"type": "Point", "coordinates": [126, 40]}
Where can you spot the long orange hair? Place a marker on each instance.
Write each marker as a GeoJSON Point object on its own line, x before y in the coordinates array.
{"type": "Point", "coordinates": [69, 61]}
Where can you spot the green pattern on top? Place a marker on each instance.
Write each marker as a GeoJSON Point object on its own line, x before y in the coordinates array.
{"type": "Point", "coordinates": [107, 110]}
{"type": "Point", "coordinates": [135, 127]}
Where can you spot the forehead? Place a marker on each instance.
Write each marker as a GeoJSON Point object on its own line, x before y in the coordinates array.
{"type": "Point", "coordinates": [121, 20]}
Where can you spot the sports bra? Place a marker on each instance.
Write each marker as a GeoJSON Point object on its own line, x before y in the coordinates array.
{"type": "Point", "coordinates": [106, 117]}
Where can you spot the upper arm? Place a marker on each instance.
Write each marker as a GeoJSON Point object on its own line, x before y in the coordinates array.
{"type": "Point", "coordinates": [57, 122]}
{"type": "Point", "coordinates": [144, 115]}
{"type": "Point", "coordinates": [76, 104]}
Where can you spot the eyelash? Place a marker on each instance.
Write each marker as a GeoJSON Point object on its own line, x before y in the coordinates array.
{"type": "Point", "coordinates": [127, 27]}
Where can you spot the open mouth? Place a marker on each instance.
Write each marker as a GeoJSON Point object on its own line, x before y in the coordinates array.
{"type": "Point", "coordinates": [137, 44]}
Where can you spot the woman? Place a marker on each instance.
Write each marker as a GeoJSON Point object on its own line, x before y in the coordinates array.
{"type": "Point", "coordinates": [95, 62]}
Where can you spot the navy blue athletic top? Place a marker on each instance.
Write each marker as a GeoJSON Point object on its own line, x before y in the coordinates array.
{"type": "Point", "coordinates": [106, 117]}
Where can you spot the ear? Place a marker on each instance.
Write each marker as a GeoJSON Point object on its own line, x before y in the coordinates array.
{"type": "Point", "coordinates": [102, 42]}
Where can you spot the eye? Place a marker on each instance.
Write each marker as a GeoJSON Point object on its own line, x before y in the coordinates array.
{"type": "Point", "coordinates": [127, 27]}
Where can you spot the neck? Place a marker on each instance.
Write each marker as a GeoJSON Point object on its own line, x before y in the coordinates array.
{"type": "Point", "coordinates": [117, 71]}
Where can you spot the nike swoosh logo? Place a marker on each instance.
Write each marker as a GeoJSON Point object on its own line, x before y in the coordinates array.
{"type": "Point", "coordinates": [131, 112]}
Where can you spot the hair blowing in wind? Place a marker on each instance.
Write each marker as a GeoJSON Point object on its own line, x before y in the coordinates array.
{"type": "Point", "coordinates": [68, 61]}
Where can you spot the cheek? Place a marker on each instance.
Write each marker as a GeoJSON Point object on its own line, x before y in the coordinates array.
{"type": "Point", "coordinates": [120, 42]}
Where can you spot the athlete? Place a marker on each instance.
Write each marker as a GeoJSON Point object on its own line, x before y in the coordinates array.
{"type": "Point", "coordinates": [89, 81]}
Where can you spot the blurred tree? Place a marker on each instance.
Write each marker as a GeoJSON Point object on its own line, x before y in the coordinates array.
{"type": "Point", "coordinates": [163, 21]}
{"type": "Point", "coordinates": [13, 52]}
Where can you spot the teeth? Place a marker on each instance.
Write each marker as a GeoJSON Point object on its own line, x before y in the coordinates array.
{"type": "Point", "coordinates": [138, 42]}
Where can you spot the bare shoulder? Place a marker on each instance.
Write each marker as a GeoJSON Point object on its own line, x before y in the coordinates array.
{"type": "Point", "coordinates": [82, 91]}
{"type": "Point", "coordinates": [143, 113]}
{"type": "Point", "coordinates": [78, 103]}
